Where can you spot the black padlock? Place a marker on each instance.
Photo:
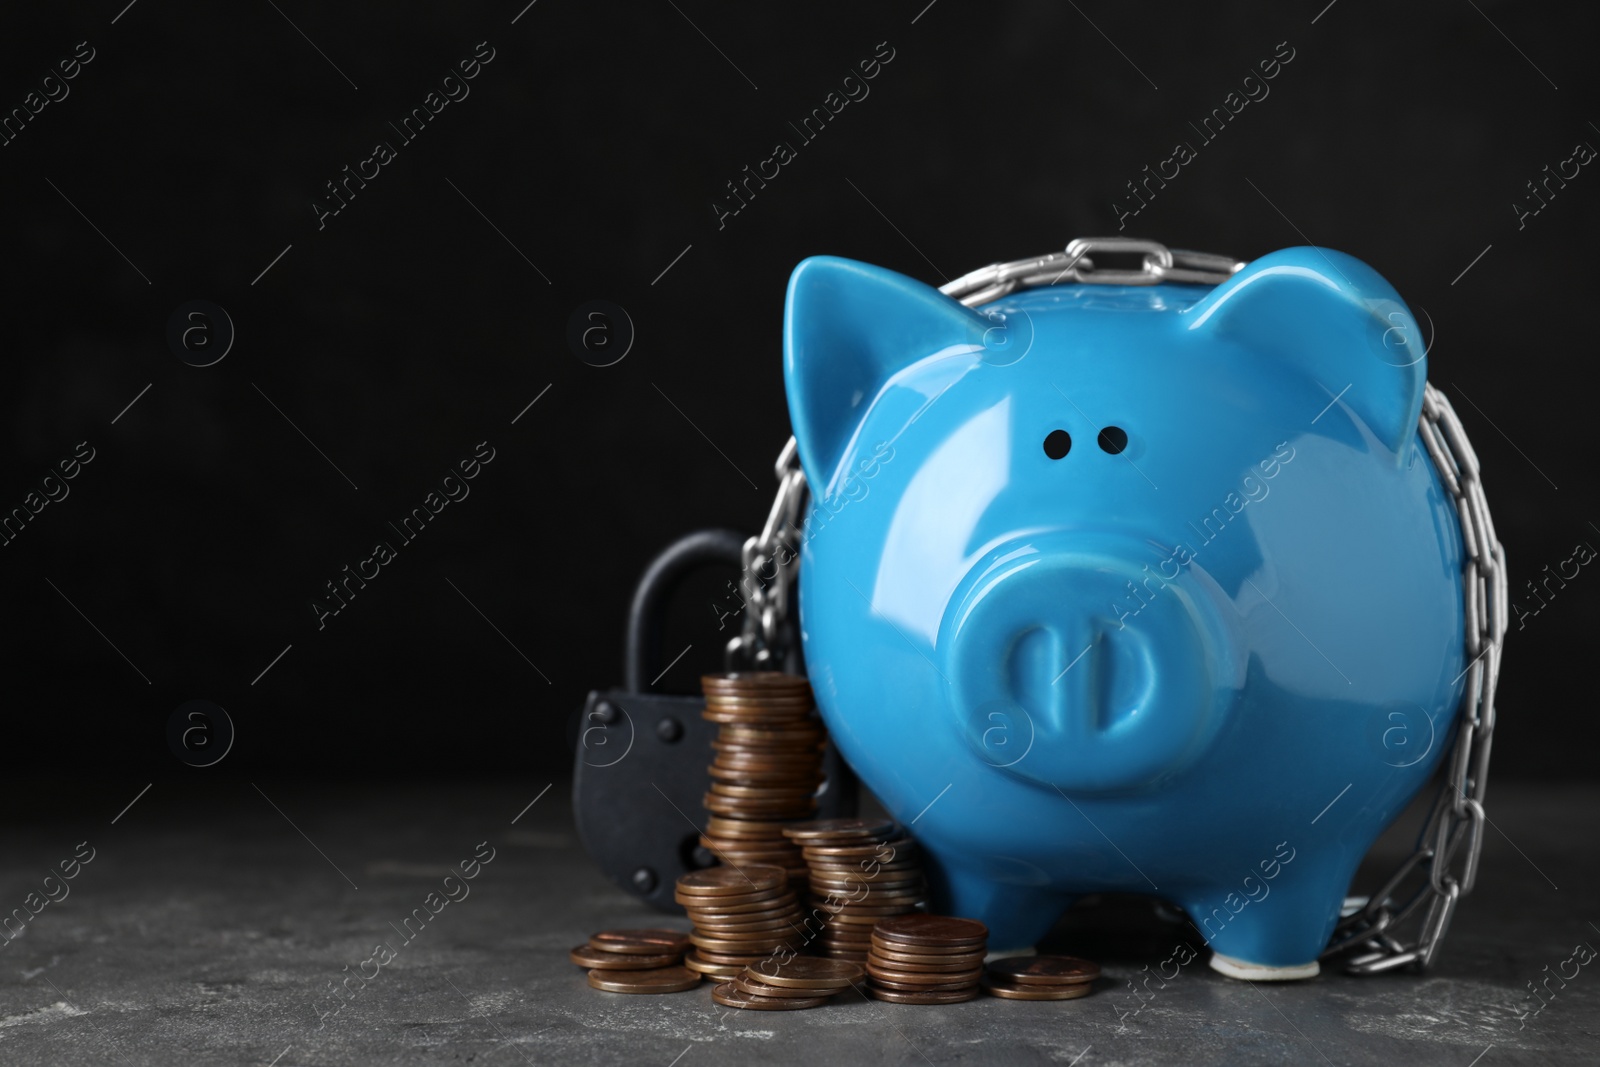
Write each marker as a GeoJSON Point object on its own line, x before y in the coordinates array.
{"type": "Point", "coordinates": [641, 761]}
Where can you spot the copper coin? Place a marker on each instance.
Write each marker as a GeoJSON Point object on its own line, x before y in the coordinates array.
{"type": "Point", "coordinates": [748, 985]}
{"type": "Point", "coordinates": [850, 918]}
{"type": "Point", "coordinates": [785, 774]}
{"type": "Point", "coordinates": [916, 978]}
{"type": "Point", "coordinates": [735, 906]}
{"type": "Point", "coordinates": [788, 771]}
{"type": "Point", "coordinates": [839, 828]}
{"type": "Point", "coordinates": [950, 996]}
{"type": "Point", "coordinates": [802, 734]}
{"type": "Point", "coordinates": [724, 959]}
{"type": "Point", "coordinates": [743, 902]}
{"type": "Point", "coordinates": [799, 699]}
{"type": "Point", "coordinates": [796, 755]}
{"type": "Point", "coordinates": [869, 868]}
{"type": "Point", "coordinates": [728, 718]}
{"type": "Point", "coordinates": [776, 907]}
{"type": "Point", "coordinates": [757, 799]}
{"type": "Point", "coordinates": [725, 930]}
{"type": "Point", "coordinates": [774, 804]}
{"type": "Point", "coordinates": [898, 881]}
{"type": "Point", "coordinates": [848, 932]}
{"type": "Point", "coordinates": [930, 987]}
{"type": "Point", "coordinates": [899, 872]}
{"type": "Point", "coordinates": [756, 704]}
{"type": "Point", "coordinates": [719, 826]}
{"type": "Point", "coordinates": [745, 941]}
{"type": "Point", "coordinates": [719, 926]}
{"type": "Point", "coordinates": [941, 931]}
{"type": "Point", "coordinates": [778, 902]}
{"type": "Point", "coordinates": [929, 950]}
{"type": "Point", "coordinates": [729, 996]}
{"type": "Point", "coordinates": [868, 865]}
{"type": "Point", "coordinates": [590, 959]}
{"type": "Point", "coordinates": [1044, 970]}
{"type": "Point", "coordinates": [808, 972]}
{"type": "Point", "coordinates": [727, 806]}
{"type": "Point", "coordinates": [714, 970]}
{"type": "Point", "coordinates": [898, 847]}
{"type": "Point", "coordinates": [773, 793]}
{"type": "Point", "coordinates": [754, 945]}
{"type": "Point", "coordinates": [730, 881]}
{"type": "Point", "coordinates": [661, 980]}
{"type": "Point", "coordinates": [1018, 991]}
{"type": "Point", "coordinates": [857, 886]}
{"type": "Point", "coordinates": [912, 961]}
{"type": "Point", "coordinates": [651, 941]}
{"type": "Point", "coordinates": [873, 902]}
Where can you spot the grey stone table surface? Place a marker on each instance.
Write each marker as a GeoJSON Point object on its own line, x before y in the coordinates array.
{"type": "Point", "coordinates": [210, 923]}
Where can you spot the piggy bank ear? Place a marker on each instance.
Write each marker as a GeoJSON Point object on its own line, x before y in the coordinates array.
{"type": "Point", "coordinates": [849, 327]}
{"type": "Point", "coordinates": [1336, 319]}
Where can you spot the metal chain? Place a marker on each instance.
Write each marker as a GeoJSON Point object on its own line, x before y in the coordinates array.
{"type": "Point", "coordinates": [1444, 865]}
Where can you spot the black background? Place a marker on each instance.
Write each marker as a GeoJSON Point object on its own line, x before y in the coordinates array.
{"type": "Point", "coordinates": [408, 329]}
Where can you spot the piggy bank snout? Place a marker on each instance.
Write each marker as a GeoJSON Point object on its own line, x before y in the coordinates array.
{"type": "Point", "coordinates": [1076, 667]}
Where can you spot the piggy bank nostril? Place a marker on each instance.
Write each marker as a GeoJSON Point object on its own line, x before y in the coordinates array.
{"type": "Point", "coordinates": [1057, 444]}
{"type": "Point", "coordinates": [1113, 439]}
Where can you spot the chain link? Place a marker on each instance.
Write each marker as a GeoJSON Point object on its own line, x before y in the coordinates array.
{"type": "Point", "coordinates": [1443, 868]}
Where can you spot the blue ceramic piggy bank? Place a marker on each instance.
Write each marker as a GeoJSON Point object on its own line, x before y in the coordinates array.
{"type": "Point", "coordinates": [1143, 589]}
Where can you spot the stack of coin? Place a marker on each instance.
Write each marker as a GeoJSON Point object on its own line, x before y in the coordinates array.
{"type": "Point", "coordinates": [801, 982]}
{"type": "Point", "coordinates": [741, 916]}
{"type": "Point", "coordinates": [636, 961]}
{"type": "Point", "coordinates": [1040, 977]}
{"type": "Point", "coordinates": [927, 959]}
{"type": "Point", "coordinates": [767, 767]}
{"type": "Point", "coordinates": [861, 870]}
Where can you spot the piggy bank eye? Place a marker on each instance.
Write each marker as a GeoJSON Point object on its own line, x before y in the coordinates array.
{"type": "Point", "coordinates": [1113, 439]}
{"type": "Point", "coordinates": [1057, 444]}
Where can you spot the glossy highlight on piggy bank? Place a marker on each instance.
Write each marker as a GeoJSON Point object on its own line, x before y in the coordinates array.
{"type": "Point", "coordinates": [1161, 591]}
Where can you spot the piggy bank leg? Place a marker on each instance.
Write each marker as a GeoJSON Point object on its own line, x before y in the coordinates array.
{"type": "Point", "coordinates": [1017, 915]}
{"type": "Point", "coordinates": [1275, 934]}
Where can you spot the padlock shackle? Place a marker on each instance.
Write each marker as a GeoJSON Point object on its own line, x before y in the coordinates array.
{"type": "Point", "coordinates": [660, 580]}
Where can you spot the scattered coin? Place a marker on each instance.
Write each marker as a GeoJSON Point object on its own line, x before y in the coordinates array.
{"type": "Point", "coordinates": [1043, 970]}
{"type": "Point", "coordinates": [661, 980]}
{"type": "Point", "coordinates": [1037, 992]}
